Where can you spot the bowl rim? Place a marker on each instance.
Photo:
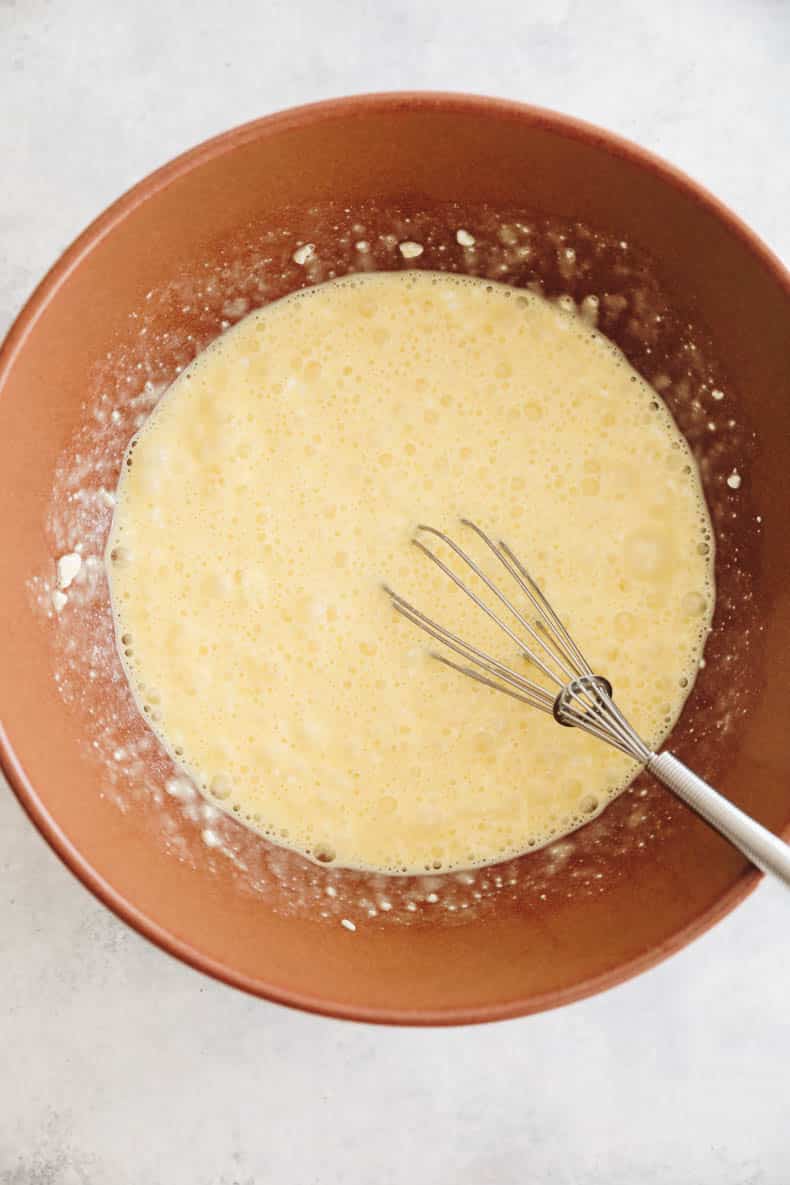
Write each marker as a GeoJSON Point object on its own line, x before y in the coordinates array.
{"type": "Point", "coordinates": [294, 117]}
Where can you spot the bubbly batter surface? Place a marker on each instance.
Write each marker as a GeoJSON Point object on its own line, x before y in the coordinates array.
{"type": "Point", "coordinates": [277, 485]}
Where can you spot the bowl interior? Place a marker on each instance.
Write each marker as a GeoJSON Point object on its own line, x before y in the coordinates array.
{"type": "Point", "coordinates": [698, 306]}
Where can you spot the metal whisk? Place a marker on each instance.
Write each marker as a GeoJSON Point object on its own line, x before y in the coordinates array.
{"type": "Point", "coordinates": [575, 696]}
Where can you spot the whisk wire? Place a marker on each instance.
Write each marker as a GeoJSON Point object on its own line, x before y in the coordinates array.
{"type": "Point", "coordinates": [581, 700]}
{"type": "Point", "coordinates": [533, 692]}
{"type": "Point", "coordinates": [497, 686]}
{"type": "Point", "coordinates": [551, 654]}
{"type": "Point", "coordinates": [549, 619]}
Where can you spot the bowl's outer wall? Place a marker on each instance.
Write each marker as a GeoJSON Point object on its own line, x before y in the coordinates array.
{"type": "Point", "coordinates": [430, 149]}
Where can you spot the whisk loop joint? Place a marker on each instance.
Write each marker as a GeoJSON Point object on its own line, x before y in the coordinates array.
{"type": "Point", "coordinates": [568, 690]}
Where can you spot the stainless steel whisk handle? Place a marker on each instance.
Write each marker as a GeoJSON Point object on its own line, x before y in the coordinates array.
{"type": "Point", "coordinates": [766, 850]}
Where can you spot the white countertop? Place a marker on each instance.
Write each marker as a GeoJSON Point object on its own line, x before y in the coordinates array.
{"type": "Point", "coordinates": [119, 1066]}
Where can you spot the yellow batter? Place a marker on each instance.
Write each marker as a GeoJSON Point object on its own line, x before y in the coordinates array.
{"type": "Point", "coordinates": [277, 485]}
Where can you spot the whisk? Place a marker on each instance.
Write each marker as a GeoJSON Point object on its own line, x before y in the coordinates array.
{"type": "Point", "coordinates": [575, 696]}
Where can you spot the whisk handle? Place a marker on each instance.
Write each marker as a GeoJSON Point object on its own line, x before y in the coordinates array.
{"type": "Point", "coordinates": [766, 850]}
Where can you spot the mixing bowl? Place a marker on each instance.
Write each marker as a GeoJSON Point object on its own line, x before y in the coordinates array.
{"type": "Point", "coordinates": [700, 307]}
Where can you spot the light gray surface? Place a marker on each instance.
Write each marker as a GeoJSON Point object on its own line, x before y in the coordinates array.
{"type": "Point", "coordinates": [118, 1066]}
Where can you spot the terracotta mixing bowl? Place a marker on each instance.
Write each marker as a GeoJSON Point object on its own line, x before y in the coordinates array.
{"type": "Point", "coordinates": [698, 304]}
